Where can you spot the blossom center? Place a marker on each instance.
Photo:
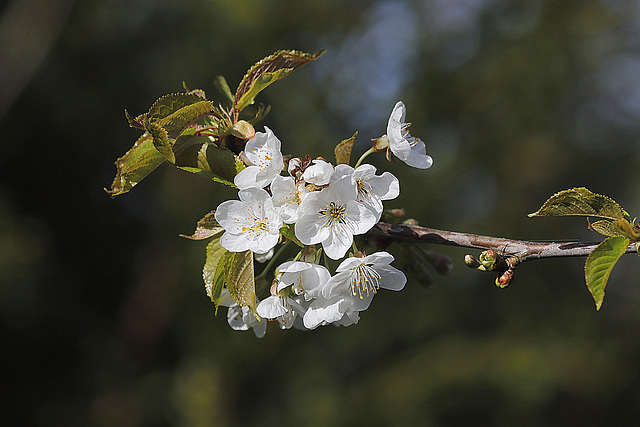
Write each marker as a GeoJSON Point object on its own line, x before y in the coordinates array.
{"type": "Point", "coordinates": [364, 188]}
{"type": "Point", "coordinates": [260, 225]}
{"type": "Point", "coordinates": [334, 213]}
{"type": "Point", "coordinates": [365, 281]}
{"type": "Point", "coordinates": [264, 156]}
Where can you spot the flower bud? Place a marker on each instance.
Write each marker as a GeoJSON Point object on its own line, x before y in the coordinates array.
{"type": "Point", "coordinates": [471, 262]}
{"type": "Point", "coordinates": [243, 129]}
{"type": "Point", "coordinates": [505, 279]}
{"type": "Point", "coordinates": [381, 144]}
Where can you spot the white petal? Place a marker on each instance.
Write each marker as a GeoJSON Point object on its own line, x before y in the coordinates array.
{"type": "Point", "coordinates": [271, 307]}
{"type": "Point", "coordinates": [234, 242]}
{"type": "Point", "coordinates": [385, 186]}
{"type": "Point", "coordinates": [310, 229]}
{"type": "Point", "coordinates": [391, 278]}
{"type": "Point", "coordinates": [247, 177]}
{"type": "Point", "coordinates": [319, 173]}
{"type": "Point", "coordinates": [361, 218]}
{"type": "Point", "coordinates": [338, 242]}
{"type": "Point", "coordinates": [324, 311]}
{"type": "Point", "coordinates": [338, 284]}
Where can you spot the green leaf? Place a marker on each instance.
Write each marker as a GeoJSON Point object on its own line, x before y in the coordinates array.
{"type": "Point", "coordinates": [135, 165]}
{"type": "Point", "coordinates": [240, 279]}
{"type": "Point", "coordinates": [171, 103]}
{"type": "Point", "coordinates": [605, 227]}
{"type": "Point", "coordinates": [343, 150]}
{"type": "Point", "coordinates": [206, 227]}
{"type": "Point", "coordinates": [267, 71]}
{"type": "Point", "coordinates": [599, 264]}
{"type": "Point", "coordinates": [177, 121]}
{"type": "Point", "coordinates": [581, 201]}
{"type": "Point", "coordinates": [209, 160]}
{"type": "Point", "coordinates": [225, 90]}
{"type": "Point", "coordinates": [213, 283]}
{"type": "Point", "coordinates": [160, 140]}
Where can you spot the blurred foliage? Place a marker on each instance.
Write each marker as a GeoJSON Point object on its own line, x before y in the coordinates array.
{"type": "Point", "coordinates": [104, 317]}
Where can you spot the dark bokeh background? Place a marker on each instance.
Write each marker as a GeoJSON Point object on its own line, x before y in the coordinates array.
{"type": "Point", "coordinates": [104, 319]}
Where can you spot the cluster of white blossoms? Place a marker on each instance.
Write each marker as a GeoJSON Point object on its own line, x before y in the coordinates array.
{"type": "Point", "coordinates": [326, 205]}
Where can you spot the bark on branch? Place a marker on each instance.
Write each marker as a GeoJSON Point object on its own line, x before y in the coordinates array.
{"type": "Point", "coordinates": [520, 249]}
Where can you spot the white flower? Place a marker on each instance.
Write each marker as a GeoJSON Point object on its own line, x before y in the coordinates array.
{"type": "Point", "coordinates": [283, 308]}
{"type": "Point", "coordinates": [351, 289]}
{"type": "Point", "coordinates": [319, 173]}
{"type": "Point", "coordinates": [241, 318]}
{"type": "Point", "coordinates": [263, 150]}
{"type": "Point", "coordinates": [340, 310]}
{"type": "Point", "coordinates": [362, 277]}
{"type": "Point", "coordinates": [407, 148]}
{"type": "Point", "coordinates": [252, 223]}
{"type": "Point", "coordinates": [287, 196]}
{"type": "Point", "coordinates": [372, 188]}
{"type": "Point", "coordinates": [305, 278]}
{"type": "Point", "coordinates": [332, 217]}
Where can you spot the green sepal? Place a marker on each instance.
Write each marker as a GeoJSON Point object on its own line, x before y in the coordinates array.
{"type": "Point", "coordinates": [581, 201]}
{"type": "Point", "coordinates": [205, 228]}
{"type": "Point", "coordinates": [288, 232]}
{"type": "Point", "coordinates": [343, 150]}
{"type": "Point", "coordinates": [267, 71]}
{"type": "Point", "coordinates": [599, 264]}
{"type": "Point", "coordinates": [135, 165]}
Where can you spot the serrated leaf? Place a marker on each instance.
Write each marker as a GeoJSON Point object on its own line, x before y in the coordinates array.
{"type": "Point", "coordinates": [160, 140]}
{"type": "Point", "coordinates": [209, 160]}
{"type": "Point", "coordinates": [135, 165]}
{"type": "Point", "coordinates": [177, 121]}
{"type": "Point", "coordinates": [240, 279]}
{"type": "Point", "coordinates": [599, 264]}
{"type": "Point", "coordinates": [206, 227]}
{"type": "Point", "coordinates": [343, 150]}
{"type": "Point", "coordinates": [605, 227]}
{"type": "Point", "coordinates": [169, 104]}
{"type": "Point", "coordinates": [267, 71]}
{"type": "Point", "coordinates": [213, 283]}
{"type": "Point", "coordinates": [581, 201]}
{"type": "Point", "coordinates": [137, 122]}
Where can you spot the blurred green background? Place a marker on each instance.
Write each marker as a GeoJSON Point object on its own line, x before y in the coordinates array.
{"type": "Point", "coordinates": [104, 318]}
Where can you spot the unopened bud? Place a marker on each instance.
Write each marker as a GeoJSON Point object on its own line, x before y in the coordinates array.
{"type": "Point", "coordinates": [243, 129]}
{"type": "Point", "coordinates": [505, 279]}
{"type": "Point", "coordinates": [381, 144]}
{"type": "Point", "coordinates": [309, 254]}
{"type": "Point", "coordinates": [471, 262]}
{"type": "Point", "coordinates": [488, 260]}
{"type": "Point", "coordinates": [396, 213]}
{"type": "Point", "coordinates": [410, 221]}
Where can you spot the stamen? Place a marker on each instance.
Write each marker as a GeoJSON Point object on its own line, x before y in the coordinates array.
{"type": "Point", "coordinates": [365, 280]}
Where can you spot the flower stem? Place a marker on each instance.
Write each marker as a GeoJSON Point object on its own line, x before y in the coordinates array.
{"type": "Point", "coordinates": [364, 156]}
{"type": "Point", "coordinates": [273, 259]}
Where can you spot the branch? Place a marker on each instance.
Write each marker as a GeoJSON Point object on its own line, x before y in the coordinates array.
{"type": "Point", "coordinates": [499, 254]}
{"type": "Point", "coordinates": [523, 250]}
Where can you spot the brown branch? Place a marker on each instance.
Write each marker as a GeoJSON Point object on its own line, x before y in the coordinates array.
{"type": "Point", "coordinates": [520, 249]}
